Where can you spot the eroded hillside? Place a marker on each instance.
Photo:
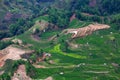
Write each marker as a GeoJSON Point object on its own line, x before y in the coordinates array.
{"type": "Point", "coordinates": [39, 44]}
{"type": "Point", "coordinates": [82, 32]}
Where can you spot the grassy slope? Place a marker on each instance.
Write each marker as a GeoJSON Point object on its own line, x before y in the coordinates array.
{"type": "Point", "coordinates": [103, 50]}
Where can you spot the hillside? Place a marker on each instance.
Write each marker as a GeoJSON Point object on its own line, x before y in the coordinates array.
{"type": "Point", "coordinates": [60, 39]}
{"type": "Point", "coordinates": [17, 15]}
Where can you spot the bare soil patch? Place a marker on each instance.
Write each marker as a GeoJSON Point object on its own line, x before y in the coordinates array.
{"type": "Point", "coordinates": [38, 66]}
{"type": "Point", "coordinates": [6, 39]}
{"type": "Point", "coordinates": [35, 37]}
{"type": "Point", "coordinates": [20, 74]}
{"type": "Point", "coordinates": [49, 78]}
{"type": "Point", "coordinates": [73, 17]}
{"type": "Point", "coordinates": [12, 53]}
{"type": "Point", "coordinates": [81, 32]}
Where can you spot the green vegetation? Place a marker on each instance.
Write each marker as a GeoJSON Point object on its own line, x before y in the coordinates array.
{"type": "Point", "coordinates": [77, 24]}
{"type": "Point", "coordinates": [18, 19]}
{"type": "Point", "coordinates": [4, 44]}
{"type": "Point", "coordinates": [57, 50]}
{"type": "Point", "coordinates": [9, 68]}
{"type": "Point", "coordinates": [96, 57]}
{"type": "Point", "coordinates": [58, 17]}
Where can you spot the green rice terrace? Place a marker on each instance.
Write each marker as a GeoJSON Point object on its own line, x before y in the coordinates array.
{"type": "Point", "coordinates": [95, 58]}
{"type": "Point", "coordinates": [59, 40]}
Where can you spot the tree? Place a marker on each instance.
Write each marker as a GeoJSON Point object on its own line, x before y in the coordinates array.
{"type": "Point", "coordinates": [13, 29]}
{"type": "Point", "coordinates": [59, 17]}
